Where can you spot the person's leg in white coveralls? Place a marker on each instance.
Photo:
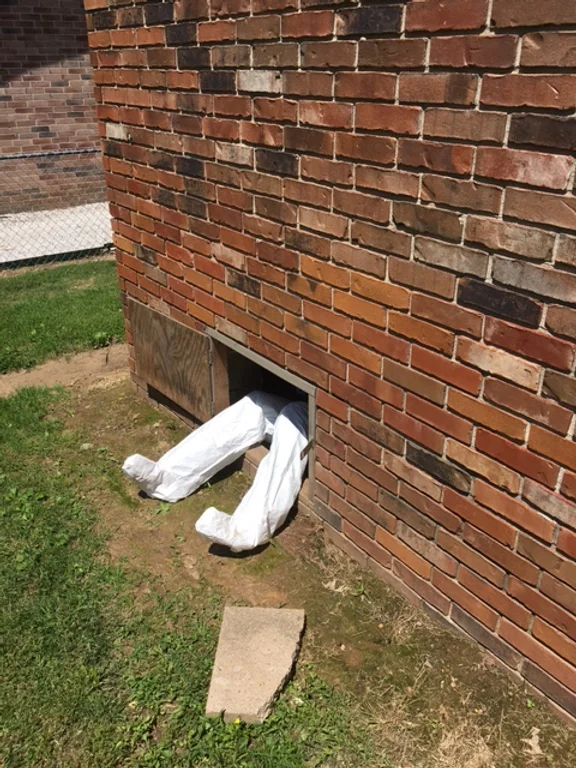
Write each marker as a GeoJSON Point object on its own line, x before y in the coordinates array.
{"type": "Point", "coordinates": [218, 443]}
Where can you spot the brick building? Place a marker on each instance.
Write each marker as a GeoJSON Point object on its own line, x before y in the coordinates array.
{"type": "Point", "coordinates": [375, 202]}
{"type": "Point", "coordinates": [47, 108]}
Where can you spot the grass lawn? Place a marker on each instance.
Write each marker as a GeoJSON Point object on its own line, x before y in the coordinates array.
{"type": "Point", "coordinates": [50, 312]}
{"type": "Point", "coordinates": [111, 608]}
{"type": "Point", "coordinates": [102, 665]}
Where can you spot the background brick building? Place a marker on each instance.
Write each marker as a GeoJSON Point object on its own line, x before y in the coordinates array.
{"type": "Point", "coordinates": [47, 106]}
{"type": "Point", "coordinates": [379, 200]}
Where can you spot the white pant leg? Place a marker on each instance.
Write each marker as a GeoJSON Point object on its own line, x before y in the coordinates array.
{"type": "Point", "coordinates": [207, 450]}
{"type": "Point", "coordinates": [267, 503]}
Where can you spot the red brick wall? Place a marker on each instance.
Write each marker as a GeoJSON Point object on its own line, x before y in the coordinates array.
{"type": "Point", "coordinates": [380, 199]}
{"type": "Point", "coordinates": [46, 105]}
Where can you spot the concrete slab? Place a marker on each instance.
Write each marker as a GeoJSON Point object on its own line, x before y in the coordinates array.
{"type": "Point", "coordinates": [256, 652]}
{"type": "Point", "coordinates": [36, 234]}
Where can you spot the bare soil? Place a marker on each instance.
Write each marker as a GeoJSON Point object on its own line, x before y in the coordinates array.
{"type": "Point", "coordinates": [84, 370]}
{"type": "Point", "coordinates": [433, 699]}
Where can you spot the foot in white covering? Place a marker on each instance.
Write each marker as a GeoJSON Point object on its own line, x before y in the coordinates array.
{"type": "Point", "coordinates": [206, 451]}
{"type": "Point", "coordinates": [267, 503]}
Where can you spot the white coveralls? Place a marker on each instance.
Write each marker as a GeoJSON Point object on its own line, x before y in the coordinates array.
{"type": "Point", "coordinates": [218, 443]}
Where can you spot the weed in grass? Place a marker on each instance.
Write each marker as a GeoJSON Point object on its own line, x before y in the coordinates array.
{"type": "Point", "coordinates": [50, 312]}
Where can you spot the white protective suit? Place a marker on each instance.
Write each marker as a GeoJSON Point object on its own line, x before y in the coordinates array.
{"type": "Point", "coordinates": [218, 443]}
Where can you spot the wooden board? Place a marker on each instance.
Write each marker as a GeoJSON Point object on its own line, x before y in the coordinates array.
{"type": "Point", "coordinates": [173, 359]}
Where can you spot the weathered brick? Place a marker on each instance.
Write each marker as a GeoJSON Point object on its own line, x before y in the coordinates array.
{"type": "Point", "coordinates": [553, 446]}
{"type": "Point", "coordinates": [455, 258]}
{"type": "Point", "coordinates": [549, 49]}
{"type": "Point", "coordinates": [358, 258]}
{"type": "Point", "coordinates": [413, 476]}
{"type": "Point", "coordinates": [413, 429]}
{"type": "Point", "coordinates": [493, 471]}
{"type": "Point", "coordinates": [325, 115]}
{"type": "Point", "coordinates": [497, 52]}
{"type": "Point", "coordinates": [380, 238]}
{"type": "Point", "coordinates": [422, 277]}
{"type": "Point", "coordinates": [307, 84]}
{"type": "Point", "coordinates": [465, 125]}
{"type": "Point", "coordinates": [433, 16]}
{"type": "Point", "coordinates": [457, 89]}
{"type": "Point", "coordinates": [501, 555]}
{"type": "Point", "coordinates": [519, 13]}
{"type": "Point", "coordinates": [466, 600]}
{"type": "Point", "coordinates": [461, 194]}
{"type": "Point", "coordinates": [389, 118]}
{"type": "Point", "coordinates": [309, 140]}
{"type": "Point", "coordinates": [526, 277]}
{"type": "Point", "coordinates": [512, 238]}
{"type": "Point", "coordinates": [428, 220]}
{"type": "Point", "coordinates": [392, 54]}
{"type": "Point", "coordinates": [446, 370]}
{"type": "Point", "coordinates": [474, 560]}
{"type": "Point", "coordinates": [258, 28]}
{"type": "Point", "coordinates": [373, 149]}
{"type": "Point", "coordinates": [532, 344]}
{"type": "Point", "coordinates": [516, 457]}
{"type": "Point", "coordinates": [340, 55]}
{"type": "Point", "coordinates": [357, 204]}
{"type": "Point", "coordinates": [447, 158]}
{"type": "Point", "coordinates": [482, 413]}
{"type": "Point", "coordinates": [307, 24]}
{"type": "Point", "coordinates": [400, 183]}
{"type": "Point", "coordinates": [532, 168]}
{"type": "Point", "coordinates": [365, 85]}
{"type": "Point", "coordinates": [560, 387]}
{"type": "Point", "coordinates": [259, 81]}
{"type": "Point", "coordinates": [377, 432]}
{"type": "Point", "coordinates": [381, 341]}
{"type": "Point", "coordinates": [561, 321]}
{"type": "Point", "coordinates": [566, 251]}
{"type": "Point", "coordinates": [542, 91]}
{"type": "Point", "coordinates": [498, 362]}
{"type": "Point", "coordinates": [278, 110]}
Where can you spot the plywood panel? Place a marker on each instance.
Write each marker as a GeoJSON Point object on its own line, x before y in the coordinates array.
{"type": "Point", "coordinates": [173, 359]}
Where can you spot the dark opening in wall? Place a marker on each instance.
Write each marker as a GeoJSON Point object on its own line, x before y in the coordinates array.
{"type": "Point", "coordinates": [237, 371]}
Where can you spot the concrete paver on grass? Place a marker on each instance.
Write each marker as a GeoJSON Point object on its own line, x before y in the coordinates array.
{"type": "Point", "coordinates": [256, 652]}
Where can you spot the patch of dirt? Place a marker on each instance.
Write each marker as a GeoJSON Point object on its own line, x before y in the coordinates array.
{"type": "Point", "coordinates": [97, 367]}
{"type": "Point", "coordinates": [435, 700]}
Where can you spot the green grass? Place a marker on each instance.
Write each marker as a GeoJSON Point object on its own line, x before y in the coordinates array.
{"type": "Point", "coordinates": [50, 312]}
{"type": "Point", "coordinates": [100, 668]}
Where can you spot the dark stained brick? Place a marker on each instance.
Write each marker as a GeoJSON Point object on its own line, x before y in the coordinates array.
{"type": "Point", "coordinates": [544, 131]}
{"type": "Point", "coordinates": [243, 283]}
{"type": "Point", "coordinates": [159, 13]}
{"type": "Point", "coordinates": [193, 58]}
{"type": "Point", "coordinates": [218, 81]}
{"type": "Point", "coordinates": [371, 20]}
{"type": "Point", "coordinates": [438, 468]}
{"type": "Point", "coordinates": [190, 166]}
{"type": "Point", "coordinates": [498, 302]}
{"type": "Point", "coordinates": [271, 161]}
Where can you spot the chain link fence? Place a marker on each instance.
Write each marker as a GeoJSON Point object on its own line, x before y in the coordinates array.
{"type": "Point", "coordinates": [52, 207]}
